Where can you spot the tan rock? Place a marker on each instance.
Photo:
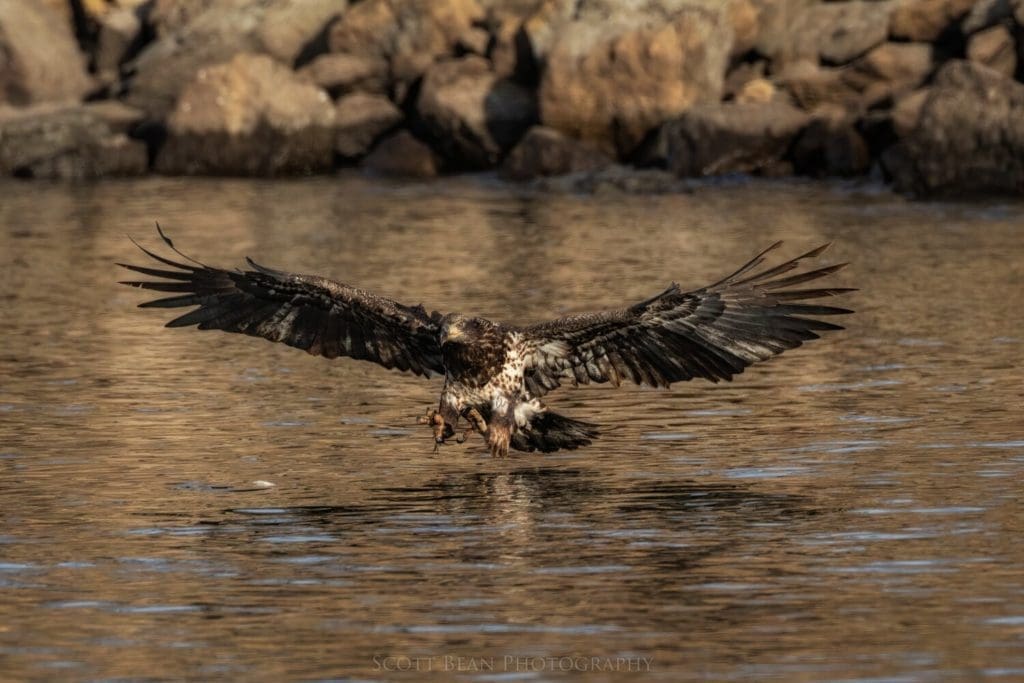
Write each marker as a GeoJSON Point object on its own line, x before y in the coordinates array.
{"type": "Point", "coordinates": [995, 48]}
{"type": "Point", "coordinates": [472, 115]}
{"type": "Point", "coordinates": [339, 73]}
{"type": "Point", "coordinates": [39, 57]}
{"type": "Point", "coordinates": [249, 116]}
{"type": "Point", "coordinates": [612, 82]}
{"type": "Point", "coordinates": [907, 112]}
{"type": "Point", "coordinates": [756, 91]}
{"type": "Point", "coordinates": [926, 20]}
{"type": "Point", "coordinates": [206, 33]}
{"type": "Point", "coordinates": [402, 155]}
{"type": "Point", "coordinates": [410, 34]}
{"type": "Point", "coordinates": [360, 119]}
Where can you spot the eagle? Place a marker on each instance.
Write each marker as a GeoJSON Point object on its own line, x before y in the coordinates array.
{"type": "Point", "coordinates": [496, 374]}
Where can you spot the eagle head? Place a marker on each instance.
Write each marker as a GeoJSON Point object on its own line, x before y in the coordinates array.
{"type": "Point", "coordinates": [457, 328]}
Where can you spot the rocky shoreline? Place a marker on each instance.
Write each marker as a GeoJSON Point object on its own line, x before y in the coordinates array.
{"type": "Point", "coordinates": [922, 93]}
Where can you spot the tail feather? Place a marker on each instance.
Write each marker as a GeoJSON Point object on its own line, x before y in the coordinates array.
{"type": "Point", "coordinates": [549, 432]}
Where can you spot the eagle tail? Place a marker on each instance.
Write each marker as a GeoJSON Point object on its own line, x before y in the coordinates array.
{"type": "Point", "coordinates": [548, 432]}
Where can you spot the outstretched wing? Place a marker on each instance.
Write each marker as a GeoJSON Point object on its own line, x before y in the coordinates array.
{"type": "Point", "coordinates": [714, 332]}
{"type": "Point", "coordinates": [312, 313]}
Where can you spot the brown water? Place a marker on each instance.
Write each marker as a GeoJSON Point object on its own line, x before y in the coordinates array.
{"type": "Point", "coordinates": [851, 510]}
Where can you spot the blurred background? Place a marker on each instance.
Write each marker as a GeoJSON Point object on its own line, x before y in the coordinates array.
{"type": "Point", "coordinates": [920, 93]}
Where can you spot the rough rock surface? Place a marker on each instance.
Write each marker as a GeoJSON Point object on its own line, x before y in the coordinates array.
{"type": "Point", "coordinates": [731, 138]}
{"type": "Point", "coordinates": [39, 59]}
{"type": "Point", "coordinates": [214, 33]}
{"type": "Point", "coordinates": [339, 73]}
{"type": "Point", "coordinates": [249, 116]}
{"type": "Point", "coordinates": [546, 152]}
{"type": "Point", "coordinates": [402, 155]}
{"type": "Point", "coordinates": [926, 20]}
{"type": "Point", "coordinates": [409, 34]}
{"type": "Point", "coordinates": [360, 119]}
{"type": "Point", "coordinates": [471, 114]}
{"type": "Point", "coordinates": [66, 142]}
{"type": "Point", "coordinates": [831, 146]}
{"type": "Point", "coordinates": [842, 31]}
{"type": "Point", "coordinates": [614, 80]}
{"type": "Point", "coordinates": [995, 48]}
{"type": "Point", "coordinates": [969, 137]}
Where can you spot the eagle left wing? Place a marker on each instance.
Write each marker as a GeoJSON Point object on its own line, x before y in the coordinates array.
{"type": "Point", "coordinates": [714, 332]}
{"type": "Point", "coordinates": [312, 313]}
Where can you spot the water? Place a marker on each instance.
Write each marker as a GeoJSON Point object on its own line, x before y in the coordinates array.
{"type": "Point", "coordinates": [178, 504]}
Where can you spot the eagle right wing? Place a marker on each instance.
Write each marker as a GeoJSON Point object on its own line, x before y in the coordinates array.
{"type": "Point", "coordinates": [312, 313]}
{"type": "Point", "coordinates": [713, 333]}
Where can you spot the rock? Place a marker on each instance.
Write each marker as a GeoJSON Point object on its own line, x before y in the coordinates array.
{"type": "Point", "coordinates": [65, 142]}
{"type": "Point", "coordinates": [757, 91]}
{"type": "Point", "coordinates": [120, 30]}
{"type": "Point", "coordinates": [216, 32]}
{"type": "Point", "coordinates": [474, 41]}
{"type": "Point", "coordinates": [614, 81]}
{"type": "Point", "coordinates": [740, 75]}
{"type": "Point", "coordinates": [926, 20]}
{"type": "Point", "coordinates": [731, 138]}
{"type": "Point", "coordinates": [831, 146]}
{"type": "Point", "coordinates": [994, 47]}
{"type": "Point", "coordinates": [969, 138]}
{"type": "Point", "coordinates": [986, 13]}
{"type": "Point", "coordinates": [471, 114]}
{"type": "Point", "coordinates": [249, 116]}
{"type": "Point", "coordinates": [546, 152]}
{"type": "Point", "coordinates": [402, 155]}
{"type": "Point", "coordinates": [409, 34]}
{"type": "Point", "coordinates": [780, 36]}
{"type": "Point", "coordinates": [889, 70]}
{"type": "Point", "coordinates": [906, 113]}
{"type": "Point", "coordinates": [360, 119]}
{"type": "Point", "coordinates": [287, 27]}
{"type": "Point", "coordinates": [745, 18]}
{"type": "Point", "coordinates": [39, 58]}
{"type": "Point", "coordinates": [842, 31]}
{"type": "Point", "coordinates": [811, 85]}
{"type": "Point", "coordinates": [168, 16]}
{"type": "Point", "coordinates": [339, 73]}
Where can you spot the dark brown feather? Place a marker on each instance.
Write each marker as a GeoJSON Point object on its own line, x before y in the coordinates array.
{"type": "Point", "coordinates": [312, 313]}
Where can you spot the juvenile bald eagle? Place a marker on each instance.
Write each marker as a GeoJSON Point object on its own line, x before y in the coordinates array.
{"type": "Point", "coordinates": [495, 374]}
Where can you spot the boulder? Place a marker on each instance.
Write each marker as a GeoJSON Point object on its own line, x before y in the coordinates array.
{"type": "Point", "coordinates": [906, 112]}
{"type": "Point", "coordinates": [995, 48]}
{"type": "Point", "coordinates": [888, 71]}
{"type": "Point", "coordinates": [66, 142]}
{"type": "Point", "coordinates": [781, 34]}
{"type": "Point", "coordinates": [987, 13]}
{"type": "Point", "coordinates": [546, 152]}
{"type": "Point", "coordinates": [969, 138]}
{"type": "Point", "coordinates": [839, 32]}
{"type": "Point", "coordinates": [926, 20]}
{"type": "Point", "coordinates": [251, 116]}
{"type": "Point", "coordinates": [39, 58]}
{"type": "Point", "coordinates": [811, 85]}
{"type": "Point", "coordinates": [731, 138]}
{"type": "Point", "coordinates": [471, 114]}
{"type": "Point", "coordinates": [339, 73]}
{"type": "Point", "coordinates": [402, 155]}
{"type": "Point", "coordinates": [613, 80]}
{"type": "Point", "coordinates": [120, 30]}
{"type": "Point", "coordinates": [409, 34]}
{"type": "Point", "coordinates": [213, 33]}
{"type": "Point", "coordinates": [360, 119]}
{"type": "Point", "coordinates": [757, 91]}
{"type": "Point", "coordinates": [831, 146]}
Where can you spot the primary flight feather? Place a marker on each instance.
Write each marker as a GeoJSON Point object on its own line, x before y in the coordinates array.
{"type": "Point", "coordinates": [495, 374]}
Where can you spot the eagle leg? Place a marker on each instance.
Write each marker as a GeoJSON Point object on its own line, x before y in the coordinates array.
{"type": "Point", "coordinates": [442, 430]}
{"type": "Point", "coordinates": [476, 420]}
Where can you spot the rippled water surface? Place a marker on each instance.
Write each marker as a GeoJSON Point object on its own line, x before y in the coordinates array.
{"type": "Point", "coordinates": [178, 504]}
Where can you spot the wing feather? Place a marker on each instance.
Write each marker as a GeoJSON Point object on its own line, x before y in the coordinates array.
{"type": "Point", "coordinates": [713, 333]}
{"type": "Point", "coordinates": [312, 313]}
